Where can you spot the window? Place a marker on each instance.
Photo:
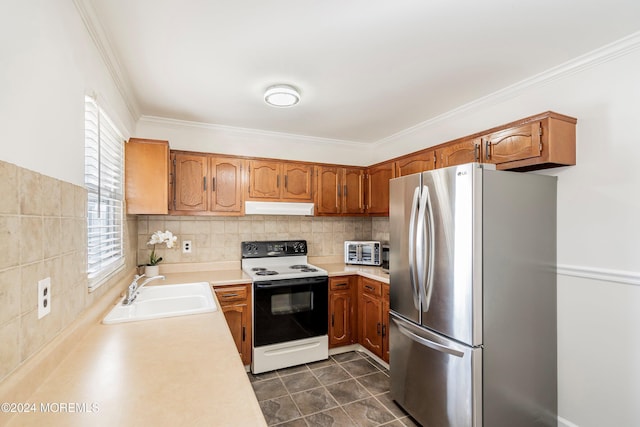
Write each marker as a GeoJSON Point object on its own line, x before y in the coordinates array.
{"type": "Point", "coordinates": [103, 172]}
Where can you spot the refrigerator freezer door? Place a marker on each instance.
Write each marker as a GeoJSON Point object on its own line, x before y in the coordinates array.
{"type": "Point", "coordinates": [436, 380]}
{"type": "Point", "coordinates": [404, 198]}
{"type": "Point", "coordinates": [452, 303]}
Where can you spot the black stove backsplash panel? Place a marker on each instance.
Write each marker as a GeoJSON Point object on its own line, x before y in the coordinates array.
{"type": "Point", "coordinates": [273, 248]}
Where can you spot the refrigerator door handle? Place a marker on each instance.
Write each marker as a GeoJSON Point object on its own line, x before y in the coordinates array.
{"type": "Point", "coordinates": [427, 343]}
{"type": "Point", "coordinates": [427, 245]}
{"type": "Point", "coordinates": [413, 276]}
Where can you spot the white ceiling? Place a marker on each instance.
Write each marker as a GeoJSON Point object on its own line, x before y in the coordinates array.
{"type": "Point", "coordinates": [367, 69]}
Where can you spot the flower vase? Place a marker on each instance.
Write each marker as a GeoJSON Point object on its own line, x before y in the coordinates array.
{"type": "Point", "coordinates": [151, 270]}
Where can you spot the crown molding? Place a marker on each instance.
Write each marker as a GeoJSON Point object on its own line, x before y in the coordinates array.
{"type": "Point", "coordinates": [101, 41]}
{"type": "Point", "coordinates": [591, 59]}
{"type": "Point", "coordinates": [249, 131]}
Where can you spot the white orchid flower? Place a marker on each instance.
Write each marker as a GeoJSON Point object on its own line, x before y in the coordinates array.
{"type": "Point", "coordinates": [160, 237]}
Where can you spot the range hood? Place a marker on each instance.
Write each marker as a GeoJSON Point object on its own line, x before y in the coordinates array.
{"type": "Point", "coordinates": [278, 208]}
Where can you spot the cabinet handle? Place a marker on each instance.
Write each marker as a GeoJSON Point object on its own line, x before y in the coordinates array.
{"type": "Point", "coordinates": [229, 295]}
{"type": "Point", "coordinates": [476, 152]}
{"type": "Point", "coordinates": [213, 184]}
{"type": "Point", "coordinates": [244, 333]}
{"type": "Point", "coordinates": [487, 149]}
{"type": "Point", "coordinates": [340, 285]}
{"type": "Point", "coordinates": [286, 181]}
{"type": "Point", "coordinates": [369, 287]}
{"type": "Point", "coordinates": [204, 183]}
{"type": "Point", "coordinates": [384, 330]}
{"type": "Point", "coordinates": [332, 319]}
{"type": "Point", "coordinates": [378, 328]}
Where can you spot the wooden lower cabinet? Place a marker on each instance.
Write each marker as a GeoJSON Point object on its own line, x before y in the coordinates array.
{"type": "Point", "coordinates": [342, 311]}
{"type": "Point", "coordinates": [235, 303]}
{"type": "Point", "coordinates": [373, 309]}
{"type": "Point", "coordinates": [385, 322]}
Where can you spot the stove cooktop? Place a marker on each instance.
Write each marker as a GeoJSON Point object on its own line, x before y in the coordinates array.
{"type": "Point", "coordinates": [282, 259]}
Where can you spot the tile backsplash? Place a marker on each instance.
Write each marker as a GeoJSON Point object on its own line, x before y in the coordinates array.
{"type": "Point", "coordinates": [43, 234]}
{"type": "Point", "coordinates": [218, 238]}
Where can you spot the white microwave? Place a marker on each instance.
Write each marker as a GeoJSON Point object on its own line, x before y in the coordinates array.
{"type": "Point", "coordinates": [362, 252]}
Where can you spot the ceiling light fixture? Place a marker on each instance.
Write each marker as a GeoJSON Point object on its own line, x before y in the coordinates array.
{"type": "Point", "coordinates": [282, 96]}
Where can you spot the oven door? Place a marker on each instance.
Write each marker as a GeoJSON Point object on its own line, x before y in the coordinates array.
{"type": "Point", "coordinates": [289, 309]}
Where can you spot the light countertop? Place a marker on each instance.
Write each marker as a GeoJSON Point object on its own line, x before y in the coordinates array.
{"type": "Point", "coordinates": [180, 371]}
{"type": "Point", "coordinates": [174, 371]}
{"type": "Point", "coordinates": [340, 269]}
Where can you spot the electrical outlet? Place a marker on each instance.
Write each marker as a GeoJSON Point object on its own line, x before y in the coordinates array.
{"type": "Point", "coordinates": [186, 246]}
{"type": "Point", "coordinates": [44, 297]}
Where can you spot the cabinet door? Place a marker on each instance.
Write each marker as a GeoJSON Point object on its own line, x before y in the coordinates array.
{"type": "Point", "coordinates": [517, 143]}
{"type": "Point", "coordinates": [353, 191]}
{"type": "Point", "coordinates": [458, 153]}
{"type": "Point", "coordinates": [235, 303]}
{"type": "Point", "coordinates": [378, 189]}
{"type": "Point", "coordinates": [237, 318]}
{"type": "Point", "coordinates": [297, 182]}
{"type": "Point", "coordinates": [146, 166]}
{"type": "Point", "coordinates": [328, 190]}
{"type": "Point", "coordinates": [190, 185]}
{"type": "Point", "coordinates": [340, 318]}
{"type": "Point", "coordinates": [385, 323]}
{"type": "Point", "coordinates": [226, 185]}
{"type": "Point", "coordinates": [264, 179]}
{"type": "Point", "coordinates": [371, 323]}
{"type": "Point", "coordinates": [425, 161]}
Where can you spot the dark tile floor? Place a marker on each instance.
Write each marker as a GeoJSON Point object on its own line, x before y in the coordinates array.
{"type": "Point", "coordinates": [348, 389]}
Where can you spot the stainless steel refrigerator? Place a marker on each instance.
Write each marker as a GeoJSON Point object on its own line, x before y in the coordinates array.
{"type": "Point", "coordinates": [473, 297]}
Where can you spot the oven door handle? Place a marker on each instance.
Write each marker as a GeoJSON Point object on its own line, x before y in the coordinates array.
{"type": "Point", "coordinates": [279, 285]}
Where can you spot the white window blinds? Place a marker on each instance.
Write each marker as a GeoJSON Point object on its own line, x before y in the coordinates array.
{"type": "Point", "coordinates": [103, 180]}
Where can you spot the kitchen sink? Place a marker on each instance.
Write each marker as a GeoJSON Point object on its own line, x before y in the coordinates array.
{"type": "Point", "coordinates": [155, 302]}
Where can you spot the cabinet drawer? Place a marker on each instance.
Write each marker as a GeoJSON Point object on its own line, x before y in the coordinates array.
{"type": "Point", "coordinates": [229, 294]}
{"type": "Point", "coordinates": [339, 283]}
{"type": "Point", "coordinates": [371, 287]}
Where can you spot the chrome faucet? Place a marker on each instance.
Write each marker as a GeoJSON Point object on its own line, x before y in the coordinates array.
{"type": "Point", "coordinates": [134, 288]}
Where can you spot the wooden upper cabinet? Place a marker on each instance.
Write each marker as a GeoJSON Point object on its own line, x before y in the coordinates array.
{"type": "Point", "coordinates": [538, 142]}
{"type": "Point", "coordinates": [190, 184]}
{"type": "Point", "coordinates": [146, 174]}
{"type": "Point", "coordinates": [353, 191]}
{"type": "Point", "coordinates": [517, 143]}
{"type": "Point", "coordinates": [298, 179]}
{"type": "Point", "coordinates": [377, 189]}
{"type": "Point", "coordinates": [419, 162]}
{"type": "Point", "coordinates": [329, 181]}
{"type": "Point", "coordinates": [207, 185]}
{"type": "Point", "coordinates": [457, 153]}
{"type": "Point", "coordinates": [280, 181]}
{"type": "Point", "coordinates": [339, 190]}
{"type": "Point", "coordinates": [264, 179]}
{"type": "Point", "coordinates": [226, 185]}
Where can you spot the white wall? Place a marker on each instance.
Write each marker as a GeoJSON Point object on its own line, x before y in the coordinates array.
{"type": "Point", "coordinates": [48, 62]}
{"type": "Point", "coordinates": [193, 136]}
